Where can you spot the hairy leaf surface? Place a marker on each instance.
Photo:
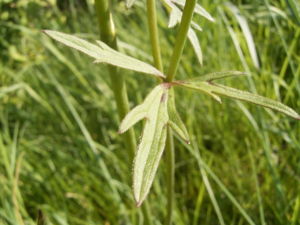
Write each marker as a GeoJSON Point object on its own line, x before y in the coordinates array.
{"type": "Point", "coordinates": [102, 53]}
{"type": "Point", "coordinates": [140, 112]}
{"type": "Point", "coordinates": [150, 149]}
{"type": "Point", "coordinates": [217, 89]}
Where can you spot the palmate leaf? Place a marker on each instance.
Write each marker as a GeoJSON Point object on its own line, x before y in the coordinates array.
{"type": "Point", "coordinates": [102, 53]}
{"type": "Point", "coordinates": [155, 110]}
{"type": "Point", "coordinates": [175, 121]}
{"type": "Point", "coordinates": [217, 89]}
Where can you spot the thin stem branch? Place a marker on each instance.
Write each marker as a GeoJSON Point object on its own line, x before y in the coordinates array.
{"type": "Point", "coordinates": [170, 160]}
{"type": "Point", "coordinates": [152, 22]}
{"type": "Point", "coordinates": [181, 38]}
{"type": "Point", "coordinates": [108, 35]}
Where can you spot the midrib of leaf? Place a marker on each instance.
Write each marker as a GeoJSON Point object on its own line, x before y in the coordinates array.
{"type": "Point", "coordinates": [151, 148]}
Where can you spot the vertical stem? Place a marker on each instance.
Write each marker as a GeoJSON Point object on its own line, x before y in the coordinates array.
{"type": "Point", "coordinates": [169, 149]}
{"type": "Point", "coordinates": [153, 30]}
{"type": "Point", "coordinates": [181, 38]}
{"type": "Point", "coordinates": [108, 35]}
{"type": "Point", "coordinates": [174, 62]}
{"type": "Point", "coordinates": [152, 22]}
{"type": "Point", "coordinates": [170, 157]}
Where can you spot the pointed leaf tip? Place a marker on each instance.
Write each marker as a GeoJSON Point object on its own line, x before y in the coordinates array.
{"type": "Point", "coordinates": [217, 89]}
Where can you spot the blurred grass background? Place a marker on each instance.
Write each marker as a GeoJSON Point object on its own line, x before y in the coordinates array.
{"type": "Point", "coordinates": [61, 159]}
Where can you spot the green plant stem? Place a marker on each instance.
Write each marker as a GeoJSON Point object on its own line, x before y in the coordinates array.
{"type": "Point", "coordinates": [169, 149]}
{"type": "Point", "coordinates": [174, 62]}
{"type": "Point", "coordinates": [181, 38]}
{"type": "Point", "coordinates": [108, 35]}
{"type": "Point", "coordinates": [170, 160]}
{"type": "Point", "coordinates": [153, 30]}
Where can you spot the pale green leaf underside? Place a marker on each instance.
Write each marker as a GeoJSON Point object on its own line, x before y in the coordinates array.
{"type": "Point", "coordinates": [155, 110]}
{"type": "Point", "coordinates": [217, 89]}
{"type": "Point", "coordinates": [151, 147]}
{"type": "Point", "coordinates": [140, 112]}
{"type": "Point", "coordinates": [103, 53]}
{"type": "Point", "coordinates": [175, 121]}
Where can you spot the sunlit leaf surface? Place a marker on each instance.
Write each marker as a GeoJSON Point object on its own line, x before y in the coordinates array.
{"type": "Point", "coordinates": [149, 152]}
{"type": "Point", "coordinates": [102, 53]}
{"type": "Point", "coordinates": [217, 89]}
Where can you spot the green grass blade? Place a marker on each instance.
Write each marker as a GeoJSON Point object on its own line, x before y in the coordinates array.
{"type": "Point", "coordinates": [295, 9]}
{"type": "Point", "coordinates": [230, 196]}
{"type": "Point", "coordinates": [247, 33]}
